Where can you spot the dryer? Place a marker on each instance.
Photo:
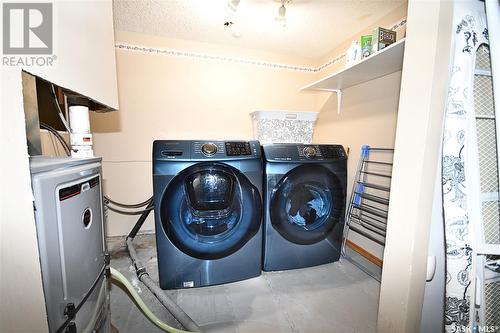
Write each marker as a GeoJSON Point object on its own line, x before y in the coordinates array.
{"type": "Point", "coordinates": [304, 205]}
{"type": "Point", "coordinates": [208, 211]}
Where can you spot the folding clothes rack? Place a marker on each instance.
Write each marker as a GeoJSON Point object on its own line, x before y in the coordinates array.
{"type": "Point", "coordinates": [369, 202]}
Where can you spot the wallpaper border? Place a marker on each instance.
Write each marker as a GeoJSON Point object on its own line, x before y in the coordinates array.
{"type": "Point", "coordinates": [234, 60]}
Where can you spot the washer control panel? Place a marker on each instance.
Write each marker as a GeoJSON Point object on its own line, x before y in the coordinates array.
{"type": "Point", "coordinates": [205, 150]}
{"type": "Point", "coordinates": [208, 149]}
{"type": "Point", "coordinates": [238, 148]}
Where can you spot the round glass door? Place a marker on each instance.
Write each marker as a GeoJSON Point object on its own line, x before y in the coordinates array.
{"type": "Point", "coordinates": [210, 210]}
{"type": "Point", "coordinates": [306, 204]}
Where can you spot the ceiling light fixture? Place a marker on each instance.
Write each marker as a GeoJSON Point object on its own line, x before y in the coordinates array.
{"type": "Point", "coordinates": [281, 18]}
{"type": "Point", "coordinates": [233, 4]}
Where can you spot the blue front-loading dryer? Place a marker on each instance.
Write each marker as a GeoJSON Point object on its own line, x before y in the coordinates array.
{"type": "Point", "coordinates": [304, 205]}
{"type": "Point", "coordinates": [208, 211]}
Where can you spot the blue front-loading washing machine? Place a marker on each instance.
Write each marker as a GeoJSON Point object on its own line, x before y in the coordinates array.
{"type": "Point", "coordinates": [208, 211]}
{"type": "Point", "coordinates": [304, 205]}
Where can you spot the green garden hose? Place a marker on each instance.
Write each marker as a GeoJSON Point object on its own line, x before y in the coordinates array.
{"type": "Point", "coordinates": [118, 277]}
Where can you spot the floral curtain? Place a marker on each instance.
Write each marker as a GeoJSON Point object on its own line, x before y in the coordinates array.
{"type": "Point", "coordinates": [470, 31]}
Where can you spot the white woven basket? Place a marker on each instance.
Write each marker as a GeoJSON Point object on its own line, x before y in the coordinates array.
{"type": "Point", "coordinates": [281, 126]}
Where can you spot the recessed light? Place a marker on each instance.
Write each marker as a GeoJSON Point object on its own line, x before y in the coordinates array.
{"type": "Point", "coordinates": [237, 34]}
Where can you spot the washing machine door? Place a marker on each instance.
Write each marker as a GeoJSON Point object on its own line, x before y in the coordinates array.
{"type": "Point", "coordinates": [210, 210]}
{"type": "Point", "coordinates": [306, 204]}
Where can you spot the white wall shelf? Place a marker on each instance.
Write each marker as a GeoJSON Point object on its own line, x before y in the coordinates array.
{"type": "Point", "coordinates": [382, 63]}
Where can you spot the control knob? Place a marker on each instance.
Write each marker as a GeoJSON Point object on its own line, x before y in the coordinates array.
{"type": "Point", "coordinates": [209, 149]}
{"type": "Point", "coordinates": [309, 152]}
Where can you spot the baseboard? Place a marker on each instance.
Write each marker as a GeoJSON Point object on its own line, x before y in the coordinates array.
{"type": "Point", "coordinates": [370, 257]}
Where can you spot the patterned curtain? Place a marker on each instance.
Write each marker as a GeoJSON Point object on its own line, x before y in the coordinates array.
{"type": "Point", "coordinates": [470, 31]}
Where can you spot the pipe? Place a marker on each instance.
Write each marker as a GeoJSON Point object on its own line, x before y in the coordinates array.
{"type": "Point", "coordinates": [132, 212]}
{"type": "Point", "coordinates": [170, 305]}
{"type": "Point", "coordinates": [118, 277]}
{"type": "Point", "coordinates": [64, 144]}
{"type": "Point", "coordinates": [143, 276]}
{"type": "Point", "coordinates": [119, 204]}
{"type": "Point", "coordinates": [141, 219]}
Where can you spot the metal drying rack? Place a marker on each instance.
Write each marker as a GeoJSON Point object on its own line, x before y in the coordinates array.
{"type": "Point", "coordinates": [369, 202]}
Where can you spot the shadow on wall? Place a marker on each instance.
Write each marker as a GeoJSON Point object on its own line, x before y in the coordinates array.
{"type": "Point", "coordinates": [105, 122]}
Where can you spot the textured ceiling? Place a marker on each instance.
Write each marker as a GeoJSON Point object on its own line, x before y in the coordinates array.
{"type": "Point", "coordinates": [313, 27]}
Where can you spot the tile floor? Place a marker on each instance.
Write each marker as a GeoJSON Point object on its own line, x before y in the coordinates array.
{"type": "Point", "coordinates": [336, 297]}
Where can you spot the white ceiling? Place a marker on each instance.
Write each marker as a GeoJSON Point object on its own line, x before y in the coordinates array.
{"type": "Point", "coordinates": [313, 27]}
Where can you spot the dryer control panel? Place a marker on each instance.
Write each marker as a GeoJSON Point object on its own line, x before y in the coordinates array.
{"type": "Point", "coordinates": [303, 152]}
{"type": "Point", "coordinates": [205, 150]}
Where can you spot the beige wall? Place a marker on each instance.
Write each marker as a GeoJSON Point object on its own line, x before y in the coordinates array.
{"type": "Point", "coordinates": [172, 97]}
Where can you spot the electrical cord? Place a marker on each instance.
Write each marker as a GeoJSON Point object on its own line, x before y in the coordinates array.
{"type": "Point", "coordinates": [57, 134]}
{"type": "Point", "coordinates": [59, 137]}
{"type": "Point", "coordinates": [108, 203]}
{"type": "Point", "coordinates": [63, 327]}
{"type": "Point", "coordinates": [119, 204]}
{"type": "Point", "coordinates": [94, 317]}
{"type": "Point", "coordinates": [59, 111]}
{"type": "Point", "coordinates": [138, 212]}
{"type": "Point", "coordinates": [140, 221]}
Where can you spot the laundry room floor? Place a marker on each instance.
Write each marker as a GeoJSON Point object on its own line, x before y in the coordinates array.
{"type": "Point", "coordinates": [336, 297]}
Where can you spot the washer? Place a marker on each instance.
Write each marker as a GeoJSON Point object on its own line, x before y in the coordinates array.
{"type": "Point", "coordinates": [304, 205]}
{"type": "Point", "coordinates": [208, 211]}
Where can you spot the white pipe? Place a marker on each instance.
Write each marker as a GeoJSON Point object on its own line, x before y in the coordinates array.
{"type": "Point", "coordinates": [493, 20]}
{"type": "Point", "coordinates": [79, 119]}
{"type": "Point", "coordinates": [80, 136]}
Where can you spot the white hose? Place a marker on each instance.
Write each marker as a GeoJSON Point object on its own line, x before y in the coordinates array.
{"type": "Point", "coordinates": [118, 277]}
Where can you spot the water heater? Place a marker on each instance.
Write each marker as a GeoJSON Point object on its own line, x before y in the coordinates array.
{"type": "Point", "coordinates": [69, 224]}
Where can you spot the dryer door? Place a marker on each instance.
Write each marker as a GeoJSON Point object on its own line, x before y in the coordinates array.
{"type": "Point", "coordinates": [307, 203]}
{"type": "Point", "coordinates": [210, 210]}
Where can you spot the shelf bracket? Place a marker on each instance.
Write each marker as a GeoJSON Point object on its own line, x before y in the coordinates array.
{"type": "Point", "coordinates": [339, 96]}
